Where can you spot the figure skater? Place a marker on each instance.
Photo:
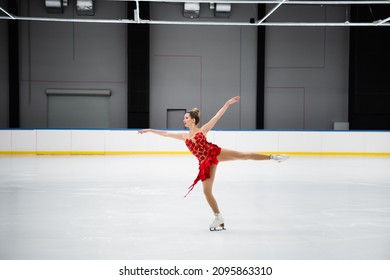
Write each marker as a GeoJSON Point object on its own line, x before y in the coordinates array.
{"type": "Point", "coordinates": [210, 154]}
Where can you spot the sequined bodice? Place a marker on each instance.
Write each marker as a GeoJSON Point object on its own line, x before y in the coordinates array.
{"type": "Point", "coordinates": [199, 146]}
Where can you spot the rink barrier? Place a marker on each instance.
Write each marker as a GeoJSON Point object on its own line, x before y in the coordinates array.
{"type": "Point", "coordinates": [173, 153]}
{"type": "Point", "coordinates": [129, 142]}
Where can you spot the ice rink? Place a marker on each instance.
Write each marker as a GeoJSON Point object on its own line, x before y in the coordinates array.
{"type": "Point", "coordinates": [132, 207]}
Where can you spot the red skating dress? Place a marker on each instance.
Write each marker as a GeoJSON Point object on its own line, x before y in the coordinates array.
{"type": "Point", "coordinates": [206, 153]}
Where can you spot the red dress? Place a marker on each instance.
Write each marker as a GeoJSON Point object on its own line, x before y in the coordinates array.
{"type": "Point", "coordinates": [206, 153]}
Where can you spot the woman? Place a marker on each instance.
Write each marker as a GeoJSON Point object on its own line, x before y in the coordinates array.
{"type": "Point", "coordinates": [210, 154]}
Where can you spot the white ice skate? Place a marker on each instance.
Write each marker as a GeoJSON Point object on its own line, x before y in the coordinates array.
{"type": "Point", "coordinates": [218, 223]}
{"type": "Point", "coordinates": [279, 158]}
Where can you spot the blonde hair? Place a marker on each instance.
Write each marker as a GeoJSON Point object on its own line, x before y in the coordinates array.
{"type": "Point", "coordinates": [194, 114]}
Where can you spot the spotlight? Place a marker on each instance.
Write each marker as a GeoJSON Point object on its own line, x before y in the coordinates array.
{"type": "Point", "coordinates": [85, 7]}
{"type": "Point", "coordinates": [222, 10]}
{"type": "Point", "coordinates": [54, 6]}
{"type": "Point", "coordinates": [191, 9]}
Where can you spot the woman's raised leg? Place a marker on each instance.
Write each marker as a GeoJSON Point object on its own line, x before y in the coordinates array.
{"type": "Point", "coordinates": [226, 155]}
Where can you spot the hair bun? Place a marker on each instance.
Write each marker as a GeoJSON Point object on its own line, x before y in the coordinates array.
{"type": "Point", "coordinates": [196, 111]}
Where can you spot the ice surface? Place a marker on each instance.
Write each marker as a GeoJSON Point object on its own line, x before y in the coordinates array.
{"type": "Point", "coordinates": [132, 207]}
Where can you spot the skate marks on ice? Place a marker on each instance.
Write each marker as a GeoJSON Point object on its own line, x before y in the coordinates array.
{"type": "Point", "coordinates": [119, 207]}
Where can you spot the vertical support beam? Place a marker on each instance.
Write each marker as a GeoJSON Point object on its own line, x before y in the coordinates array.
{"type": "Point", "coordinates": [13, 66]}
{"type": "Point", "coordinates": [138, 67]}
{"type": "Point", "coordinates": [369, 87]}
{"type": "Point", "coordinates": [352, 71]}
{"type": "Point", "coordinates": [260, 70]}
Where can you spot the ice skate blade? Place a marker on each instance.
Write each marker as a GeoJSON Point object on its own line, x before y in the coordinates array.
{"type": "Point", "coordinates": [219, 228]}
{"type": "Point", "coordinates": [283, 158]}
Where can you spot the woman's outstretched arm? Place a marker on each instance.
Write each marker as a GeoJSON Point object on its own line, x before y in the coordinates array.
{"type": "Point", "coordinates": [208, 126]}
{"type": "Point", "coordinates": [178, 136]}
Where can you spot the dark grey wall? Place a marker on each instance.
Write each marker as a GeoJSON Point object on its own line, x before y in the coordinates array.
{"type": "Point", "coordinates": [306, 72]}
{"type": "Point", "coordinates": [203, 66]}
{"type": "Point", "coordinates": [306, 75]}
{"type": "Point", "coordinates": [73, 56]}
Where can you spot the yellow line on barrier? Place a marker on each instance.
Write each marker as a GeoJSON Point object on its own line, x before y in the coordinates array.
{"type": "Point", "coordinates": [359, 154]}
{"type": "Point", "coordinates": [149, 153]}
{"type": "Point", "coordinates": [93, 153]}
{"type": "Point", "coordinates": [371, 154]}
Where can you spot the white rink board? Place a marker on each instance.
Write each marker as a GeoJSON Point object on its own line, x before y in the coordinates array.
{"type": "Point", "coordinates": [129, 141]}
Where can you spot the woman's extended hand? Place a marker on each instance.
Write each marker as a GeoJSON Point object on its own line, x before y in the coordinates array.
{"type": "Point", "coordinates": [233, 100]}
{"type": "Point", "coordinates": [143, 131]}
